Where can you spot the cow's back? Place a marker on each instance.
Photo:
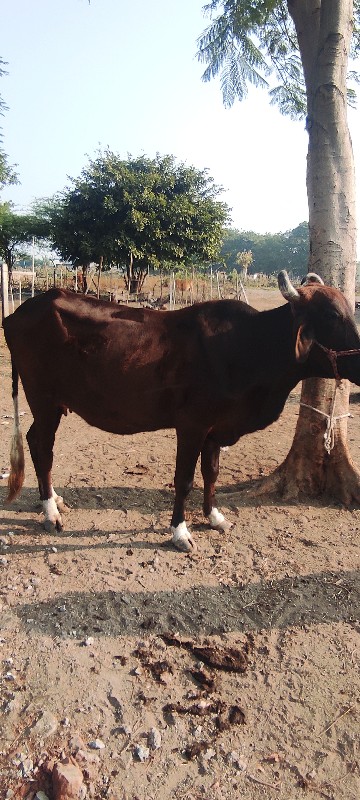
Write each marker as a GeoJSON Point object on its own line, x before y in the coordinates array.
{"type": "Point", "coordinates": [122, 368]}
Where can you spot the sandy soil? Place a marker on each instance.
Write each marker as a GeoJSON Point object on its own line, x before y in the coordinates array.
{"type": "Point", "coordinates": [101, 625]}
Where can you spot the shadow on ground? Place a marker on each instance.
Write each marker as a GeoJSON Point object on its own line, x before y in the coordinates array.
{"type": "Point", "coordinates": [299, 601]}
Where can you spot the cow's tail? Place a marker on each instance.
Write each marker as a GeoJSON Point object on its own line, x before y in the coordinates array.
{"type": "Point", "coordinates": [17, 461]}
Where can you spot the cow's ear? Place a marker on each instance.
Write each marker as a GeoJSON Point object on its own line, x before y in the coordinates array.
{"type": "Point", "coordinates": [304, 342]}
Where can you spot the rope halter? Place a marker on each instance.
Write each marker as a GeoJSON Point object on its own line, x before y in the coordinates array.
{"type": "Point", "coordinates": [333, 356]}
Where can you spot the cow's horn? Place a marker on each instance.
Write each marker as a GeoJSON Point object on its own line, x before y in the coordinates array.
{"type": "Point", "coordinates": [286, 288]}
{"type": "Point", "coordinates": [312, 277]}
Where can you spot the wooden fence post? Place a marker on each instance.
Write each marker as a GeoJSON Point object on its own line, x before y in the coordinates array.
{"type": "Point", "coordinates": [243, 291]}
{"type": "Point", "coordinates": [99, 277]}
{"type": "Point", "coordinates": [4, 290]}
{"type": "Point", "coordinates": [172, 291]}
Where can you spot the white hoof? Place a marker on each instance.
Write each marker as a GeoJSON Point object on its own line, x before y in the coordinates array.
{"type": "Point", "coordinates": [218, 521]}
{"type": "Point", "coordinates": [182, 539]}
{"type": "Point", "coordinates": [62, 507]}
{"type": "Point", "coordinates": [60, 502]}
{"type": "Point", "coordinates": [52, 515]}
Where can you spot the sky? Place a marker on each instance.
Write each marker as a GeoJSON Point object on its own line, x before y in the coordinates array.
{"type": "Point", "coordinates": [123, 74]}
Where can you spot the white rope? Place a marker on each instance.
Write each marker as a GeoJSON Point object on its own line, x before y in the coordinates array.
{"type": "Point", "coordinates": [331, 420]}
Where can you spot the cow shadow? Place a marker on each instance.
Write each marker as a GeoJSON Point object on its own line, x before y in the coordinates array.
{"type": "Point", "coordinates": [146, 501]}
{"type": "Point", "coordinates": [123, 498]}
{"type": "Point", "coordinates": [354, 398]}
{"type": "Point", "coordinates": [96, 497]}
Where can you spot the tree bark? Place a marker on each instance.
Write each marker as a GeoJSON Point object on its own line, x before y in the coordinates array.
{"type": "Point", "coordinates": [324, 30]}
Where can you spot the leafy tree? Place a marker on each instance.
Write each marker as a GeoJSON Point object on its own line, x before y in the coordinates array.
{"type": "Point", "coordinates": [270, 251]}
{"type": "Point", "coordinates": [140, 213]}
{"type": "Point", "coordinates": [306, 47]}
{"type": "Point", "coordinates": [296, 248]}
{"type": "Point", "coordinates": [244, 259]}
{"type": "Point", "coordinates": [7, 173]}
{"type": "Point", "coordinates": [17, 230]}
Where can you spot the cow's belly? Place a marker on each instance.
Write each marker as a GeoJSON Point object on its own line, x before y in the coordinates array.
{"type": "Point", "coordinates": [123, 414]}
{"type": "Point", "coordinates": [127, 408]}
{"type": "Point", "coordinates": [252, 412]}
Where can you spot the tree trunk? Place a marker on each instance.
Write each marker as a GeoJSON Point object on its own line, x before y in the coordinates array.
{"type": "Point", "coordinates": [324, 29]}
{"type": "Point", "coordinates": [319, 460]}
{"type": "Point", "coordinates": [135, 276]}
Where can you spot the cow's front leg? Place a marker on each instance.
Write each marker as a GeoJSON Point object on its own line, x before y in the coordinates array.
{"type": "Point", "coordinates": [188, 451]}
{"type": "Point", "coordinates": [210, 454]}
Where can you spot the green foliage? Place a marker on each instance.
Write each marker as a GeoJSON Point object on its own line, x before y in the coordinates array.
{"type": "Point", "coordinates": [17, 230]}
{"type": "Point", "coordinates": [251, 39]}
{"type": "Point", "coordinates": [3, 106]}
{"type": "Point", "coordinates": [8, 176]}
{"type": "Point", "coordinates": [355, 41]}
{"type": "Point", "coordinates": [7, 173]}
{"type": "Point", "coordinates": [140, 213]}
{"type": "Point", "coordinates": [270, 252]}
{"type": "Point", "coordinates": [235, 55]}
{"type": "Point", "coordinates": [244, 259]}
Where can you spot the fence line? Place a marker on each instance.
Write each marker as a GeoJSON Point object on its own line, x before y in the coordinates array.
{"type": "Point", "coordinates": [182, 290]}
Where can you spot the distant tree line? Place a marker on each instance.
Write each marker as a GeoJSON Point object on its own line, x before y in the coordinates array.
{"type": "Point", "coordinates": [271, 252]}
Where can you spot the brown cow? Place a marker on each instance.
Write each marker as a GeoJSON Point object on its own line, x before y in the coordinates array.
{"type": "Point", "coordinates": [185, 286]}
{"type": "Point", "coordinates": [213, 371]}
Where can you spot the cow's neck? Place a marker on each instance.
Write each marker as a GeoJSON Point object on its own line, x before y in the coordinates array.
{"type": "Point", "coordinates": [273, 349]}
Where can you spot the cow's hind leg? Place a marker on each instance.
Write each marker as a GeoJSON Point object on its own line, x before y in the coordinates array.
{"type": "Point", "coordinates": [40, 438]}
{"type": "Point", "coordinates": [210, 454]}
{"type": "Point", "coordinates": [188, 451]}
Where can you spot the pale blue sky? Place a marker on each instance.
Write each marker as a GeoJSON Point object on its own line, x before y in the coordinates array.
{"type": "Point", "coordinates": [123, 74]}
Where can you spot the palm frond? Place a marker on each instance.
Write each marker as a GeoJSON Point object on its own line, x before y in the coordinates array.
{"type": "Point", "coordinates": [236, 74]}
{"type": "Point", "coordinates": [289, 100]}
{"type": "Point", "coordinates": [236, 58]}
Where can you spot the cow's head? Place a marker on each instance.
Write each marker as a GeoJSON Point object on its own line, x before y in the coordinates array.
{"type": "Point", "coordinates": [322, 316]}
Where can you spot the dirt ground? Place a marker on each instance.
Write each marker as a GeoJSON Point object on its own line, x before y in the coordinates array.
{"type": "Point", "coordinates": [102, 625]}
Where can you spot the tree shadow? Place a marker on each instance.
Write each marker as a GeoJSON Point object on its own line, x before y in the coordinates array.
{"type": "Point", "coordinates": [299, 601]}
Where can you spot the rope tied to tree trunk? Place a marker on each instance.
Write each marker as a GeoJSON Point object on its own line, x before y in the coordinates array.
{"type": "Point", "coordinates": [331, 420]}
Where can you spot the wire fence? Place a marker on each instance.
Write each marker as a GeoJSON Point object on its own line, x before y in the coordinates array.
{"type": "Point", "coordinates": [166, 290]}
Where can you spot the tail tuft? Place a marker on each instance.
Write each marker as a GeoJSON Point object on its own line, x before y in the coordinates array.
{"type": "Point", "coordinates": [17, 466]}
{"type": "Point", "coordinates": [17, 460]}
